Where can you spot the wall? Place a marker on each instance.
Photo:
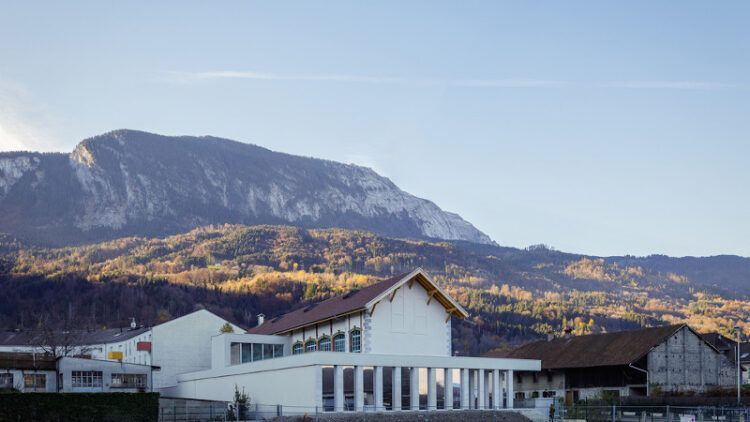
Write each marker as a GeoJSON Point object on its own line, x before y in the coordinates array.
{"type": "Point", "coordinates": [295, 386]}
{"type": "Point", "coordinates": [129, 350]}
{"type": "Point", "coordinates": [184, 345]}
{"type": "Point", "coordinates": [542, 383]}
{"type": "Point", "coordinates": [342, 324]}
{"type": "Point", "coordinates": [408, 325]}
{"type": "Point", "coordinates": [66, 366]}
{"type": "Point", "coordinates": [687, 363]}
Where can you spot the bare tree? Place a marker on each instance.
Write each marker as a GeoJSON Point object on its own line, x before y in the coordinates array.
{"type": "Point", "coordinates": [59, 340]}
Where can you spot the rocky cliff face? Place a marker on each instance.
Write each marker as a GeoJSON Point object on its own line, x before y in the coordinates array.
{"type": "Point", "coordinates": [128, 182]}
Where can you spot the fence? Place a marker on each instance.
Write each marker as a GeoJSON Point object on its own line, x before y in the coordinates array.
{"type": "Point", "coordinates": [616, 413]}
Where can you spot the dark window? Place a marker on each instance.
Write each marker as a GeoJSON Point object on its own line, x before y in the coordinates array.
{"type": "Point", "coordinates": [247, 353]}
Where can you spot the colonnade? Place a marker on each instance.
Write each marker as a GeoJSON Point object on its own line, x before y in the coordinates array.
{"type": "Point", "coordinates": [482, 389]}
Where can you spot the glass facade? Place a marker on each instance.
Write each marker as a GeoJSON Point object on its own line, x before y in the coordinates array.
{"type": "Point", "coordinates": [251, 352]}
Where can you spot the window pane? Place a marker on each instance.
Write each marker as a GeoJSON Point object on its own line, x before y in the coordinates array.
{"type": "Point", "coordinates": [247, 353]}
{"type": "Point", "coordinates": [234, 353]}
{"type": "Point", "coordinates": [325, 345]}
{"type": "Point", "coordinates": [339, 343]}
{"type": "Point", "coordinates": [311, 346]}
{"type": "Point", "coordinates": [267, 351]}
{"type": "Point", "coordinates": [6, 380]}
{"type": "Point", "coordinates": [355, 338]}
{"type": "Point", "coordinates": [34, 381]}
{"type": "Point", "coordinates": [278, 350]}
{"type": "Point", "coordinates": [257, 352]}
{"type": "Point", "coordinates": [297, 349]}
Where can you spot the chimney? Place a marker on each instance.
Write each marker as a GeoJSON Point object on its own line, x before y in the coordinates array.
{"type": "Point", "coordinates": [261, 319]}
{"type": "Point", "coordinates": [133, 325]}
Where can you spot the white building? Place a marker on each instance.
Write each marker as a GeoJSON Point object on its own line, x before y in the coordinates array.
{"type": "Point", "coordinates": [29, 372]}
{"type": "Point", "coordinates": [383, 347]}
{"type": "Point", "coordinates": [173, 347]}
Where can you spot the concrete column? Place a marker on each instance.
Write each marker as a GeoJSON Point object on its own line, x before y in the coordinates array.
{"type": "Point", "coordinates": [378, 388]}
{"type": "Point", "coordinates": [359, 389]}
{"type": "Point", "coordinates": [396, 388]}
{"type": "Point", "coordinates": [448, 388]}
{"type": "Point", "coordinates": [431, 389]}
{"type": "Point", "coordinates": [487, 387]}
{"type": "Point", "coordinates": [497, 392]}
{"type": "Point", "coordinates": [509, 388]}
{"type": "Point", "coordinates": [465, 389]}
{"type": "Point", "coordinates": [481, 403]}
{"type": "Point", "coordinates": [414, 388]}
{"type": "Point", "coordinates": [472, 388]}
{"type": "Point", "coordinates": [338, 388]}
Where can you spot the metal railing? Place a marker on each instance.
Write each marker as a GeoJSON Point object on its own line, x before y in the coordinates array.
{"type": "Point", "coordinates": [617, 413]}
{"type": "Point", "coordinates": [190, 410]}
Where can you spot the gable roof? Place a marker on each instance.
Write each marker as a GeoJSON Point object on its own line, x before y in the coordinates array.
{"type": "Point", "coordinates": [365, 298]}
{"type": "Point", "coordinates": [608, 349]}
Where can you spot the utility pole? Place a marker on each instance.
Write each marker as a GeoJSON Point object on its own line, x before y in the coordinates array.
{"type": "Point", "coordinates": [738, 332]}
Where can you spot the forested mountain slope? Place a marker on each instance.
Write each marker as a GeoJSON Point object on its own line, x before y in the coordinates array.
{"type": "Point", "coordinates": [239, 271]}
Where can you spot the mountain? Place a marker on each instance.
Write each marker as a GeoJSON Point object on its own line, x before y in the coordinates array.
{"type": "Point", "coordinates": [136, 183]}
{"type": "Point", "coordinates": [239, 271]}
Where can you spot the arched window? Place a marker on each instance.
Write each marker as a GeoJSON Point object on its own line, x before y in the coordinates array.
{"type": "Point", "coordinates": [297, 348]}
{"type": "Point", "coordinates": [311, 345]}
{"type": "Point", "coordinates": [339, 342]}
{"type": "Point", "coordinates": [324, 344]}
{"type": "Point", "coordinates": [355, 340]}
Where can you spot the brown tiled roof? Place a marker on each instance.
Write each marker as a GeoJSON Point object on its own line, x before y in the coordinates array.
{"type": "Point", "coordinates": [609, 349]}
{"type": "Point", "coordinates": [29, 361]}
{"type": "Point", "coordinates": [329, 308]}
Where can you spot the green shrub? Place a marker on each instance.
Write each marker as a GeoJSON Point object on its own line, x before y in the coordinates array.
{"type": "Point", "coordinates": [64, 407]}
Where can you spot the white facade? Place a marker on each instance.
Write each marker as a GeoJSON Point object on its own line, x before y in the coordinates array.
{"type": "Point", "coordinates": [396, 356]}
{"type": "Point", "coordinates": [410, 324]}
{"type": "Point", "coordinates": [184, 345]}
{"type": "Point", "coordinates": [80, 375]}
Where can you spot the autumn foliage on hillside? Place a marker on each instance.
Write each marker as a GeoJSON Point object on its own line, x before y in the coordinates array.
{"type": "Point", "coordinates": [239, 271]}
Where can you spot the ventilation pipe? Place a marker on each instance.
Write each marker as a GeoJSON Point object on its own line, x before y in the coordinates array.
{"type": "Point", "coordinates": [261, 319]}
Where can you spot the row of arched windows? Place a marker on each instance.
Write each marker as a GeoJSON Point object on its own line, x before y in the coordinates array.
{"type": "Point", "coordinates": [337, 343]}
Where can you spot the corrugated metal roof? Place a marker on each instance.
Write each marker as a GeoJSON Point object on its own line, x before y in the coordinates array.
{"type": "Point", "coordinates": [609, 349]}
{"type": "Point", "coordinates": [79, 337]}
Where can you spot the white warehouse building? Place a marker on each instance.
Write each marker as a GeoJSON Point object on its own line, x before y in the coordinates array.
{"type": "Point", "coordinates": [384, 347]}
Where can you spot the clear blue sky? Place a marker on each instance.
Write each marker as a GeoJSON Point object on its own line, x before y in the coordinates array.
{"type": "Point", "coordinates": [594, 127]}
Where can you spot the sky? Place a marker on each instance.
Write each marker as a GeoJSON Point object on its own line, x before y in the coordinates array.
{"type": "Point", "coordinates": [605, 128]}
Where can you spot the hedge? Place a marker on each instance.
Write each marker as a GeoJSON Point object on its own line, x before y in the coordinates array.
{"type": "Point", "coordinates": [63, 407]}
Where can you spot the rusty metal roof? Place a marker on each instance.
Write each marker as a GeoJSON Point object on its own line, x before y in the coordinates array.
{"type": "Point", "coordinates": [609, 349]}
{"type": "Point", "coordinates": [29, 361]}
